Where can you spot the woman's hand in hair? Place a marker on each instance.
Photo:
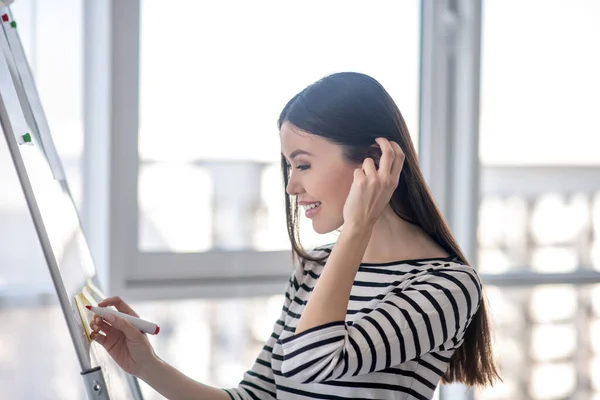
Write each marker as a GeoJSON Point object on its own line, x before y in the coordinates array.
{"type": "Point", "coordinates": [373, 187]}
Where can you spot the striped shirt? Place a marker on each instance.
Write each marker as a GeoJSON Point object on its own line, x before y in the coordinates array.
{"type": "Point", "coordinates": [404, 321]}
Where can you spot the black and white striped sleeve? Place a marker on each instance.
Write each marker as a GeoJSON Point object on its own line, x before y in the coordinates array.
{"type": "Point", "coordinates": [431, 313]}
{"type": "Point", "coordinates": [258, 382]}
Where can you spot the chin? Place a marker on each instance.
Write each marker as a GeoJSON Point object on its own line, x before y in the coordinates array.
{"type": "Point", "coordinates": [324, 227]}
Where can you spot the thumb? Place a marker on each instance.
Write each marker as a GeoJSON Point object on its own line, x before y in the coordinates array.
{"type": "Point", "coordinates": [359, 174]}
{"type": "Point", "coordinates": [124, 326]}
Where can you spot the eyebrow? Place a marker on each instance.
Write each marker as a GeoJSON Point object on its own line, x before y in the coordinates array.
{"type": "Point", "coordinates": [299, 152]}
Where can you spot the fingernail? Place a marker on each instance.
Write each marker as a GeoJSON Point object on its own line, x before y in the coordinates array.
{"type": "Point", "coordinates": [110, 318]}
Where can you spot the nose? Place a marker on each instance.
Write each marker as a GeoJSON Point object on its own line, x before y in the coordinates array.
{"type": "Point", "coordinates": [293, 187]}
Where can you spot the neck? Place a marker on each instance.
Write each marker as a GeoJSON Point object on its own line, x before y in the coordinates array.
{"type": "Point", "coordinates": [394, 239]}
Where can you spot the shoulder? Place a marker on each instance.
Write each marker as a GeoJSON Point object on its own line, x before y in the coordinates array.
{"type": "Point", "coordinates": [322, 250]}
{"type": "Point", "coordinates": [453, 275]}
{"type": "Point", "coordinates": [319, 252]}
{"type": "Point", "coordinates": [304, 267]}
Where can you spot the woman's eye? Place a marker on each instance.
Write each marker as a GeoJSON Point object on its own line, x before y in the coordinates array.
{"type": "Point", "coordinates": [300, 167]}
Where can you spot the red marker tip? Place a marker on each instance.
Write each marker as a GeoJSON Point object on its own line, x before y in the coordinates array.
{"type": "Point", "coordinates": [88, 307]}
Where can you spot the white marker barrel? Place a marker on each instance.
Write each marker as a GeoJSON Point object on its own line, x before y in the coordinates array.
{"type": "Point", "coordinates": [142, 325]}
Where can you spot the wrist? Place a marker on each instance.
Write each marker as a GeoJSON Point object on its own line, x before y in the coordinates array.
{"type": "Point", "coordinates": [357, 229]}
{"type": "Point", "coordinates": [354, 239]}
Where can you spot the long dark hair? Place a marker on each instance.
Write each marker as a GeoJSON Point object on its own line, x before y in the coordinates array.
{"type": "Point", "coordinates": [352, 109]}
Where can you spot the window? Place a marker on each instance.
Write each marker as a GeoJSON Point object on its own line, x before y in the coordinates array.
{"type": "Point", "coordinates": [540, 195]}
{"type": "Point", "coordinates": [212, 87]}
{"type": "Point", "coordinates": [540, 85]}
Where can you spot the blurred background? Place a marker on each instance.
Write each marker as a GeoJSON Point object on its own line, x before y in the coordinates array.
{"type": "Point", "coordinates": [165, 114]}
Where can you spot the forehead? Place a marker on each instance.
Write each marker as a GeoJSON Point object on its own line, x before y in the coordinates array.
{"type": "Point", "coordinates": [293, 138]}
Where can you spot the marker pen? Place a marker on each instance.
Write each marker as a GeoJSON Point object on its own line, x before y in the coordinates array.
{"type": "Point", "coordinates": [142, 325]}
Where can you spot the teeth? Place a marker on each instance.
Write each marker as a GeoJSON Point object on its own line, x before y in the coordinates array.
{"type": "Point", "coordinates": [313, 205]}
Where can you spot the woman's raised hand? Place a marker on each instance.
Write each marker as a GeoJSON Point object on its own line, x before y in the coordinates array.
{"type": "Point", "coordinates": [372, 188]}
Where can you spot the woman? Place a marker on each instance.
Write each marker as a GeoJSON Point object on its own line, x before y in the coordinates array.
{"type": "Point", "coordinates": [386, 312]}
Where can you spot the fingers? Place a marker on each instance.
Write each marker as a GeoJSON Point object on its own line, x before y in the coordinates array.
{"type": "Point", "coordinates": [99, 325]}
{"type": "Point", "coordinates": [121, 324]}
{"type": "Point", "coordinates": [359, 175]}
{"type": "Point", "coordinates": [119, 304]}
{"type": "Point", "coordinates": [398, 161]}
{"type": "Point", "coordinates": [97, 337]}
{"type": "Point", "coordinates": [369, 167]}
{"type": "Point", "coordinates": [392, 158]}
{"type": "Point", "coordinates": [387, 155]}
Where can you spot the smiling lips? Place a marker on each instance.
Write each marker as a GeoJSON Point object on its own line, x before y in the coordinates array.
{"type": "Point", "coordinates": [311, 208]}
{"type": "Point", "coordinates": [311, 205]}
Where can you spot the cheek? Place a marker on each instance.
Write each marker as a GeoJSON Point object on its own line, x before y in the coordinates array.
{"type": "Point", "coordinates": [338, 186]}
